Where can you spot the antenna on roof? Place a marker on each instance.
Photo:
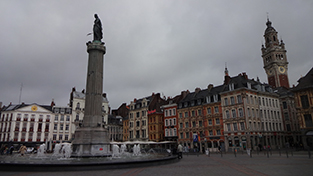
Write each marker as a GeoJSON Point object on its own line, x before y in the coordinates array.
{"type": "Point", "coordinates": [19, 100]}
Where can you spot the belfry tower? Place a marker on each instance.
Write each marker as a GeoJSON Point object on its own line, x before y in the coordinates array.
{"type": "Point", "coordinates": [274, 58]}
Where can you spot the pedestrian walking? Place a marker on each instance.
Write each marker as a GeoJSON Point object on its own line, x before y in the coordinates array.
{"type": "Point", "coordinates": [180, 151]}
{"type": "Point", "coordinates": [11, 149]}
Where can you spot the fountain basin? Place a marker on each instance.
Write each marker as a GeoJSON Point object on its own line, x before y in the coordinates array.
{"type": "Point", "coordinates": [80, 164]}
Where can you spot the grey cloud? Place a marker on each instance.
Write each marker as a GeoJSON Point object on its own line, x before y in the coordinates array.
{"type": "Point", "coordinates": [152, 46]}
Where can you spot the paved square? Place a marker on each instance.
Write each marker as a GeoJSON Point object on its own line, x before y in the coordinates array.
{"type": "Point", "coordinates": [228, 164]}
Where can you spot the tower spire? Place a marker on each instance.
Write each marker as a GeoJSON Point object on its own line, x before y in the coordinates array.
{"type": "Point", "coordinates": [274, 58]}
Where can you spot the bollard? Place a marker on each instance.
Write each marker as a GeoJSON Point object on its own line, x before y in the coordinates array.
{"type": "Point", "coordinates": [287, 154]}
{"type": "Point", "coordinates": [235, 152]}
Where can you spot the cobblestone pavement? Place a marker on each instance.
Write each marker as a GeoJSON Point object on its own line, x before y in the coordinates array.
{"type": "Point", "coordinates": [242, 165]}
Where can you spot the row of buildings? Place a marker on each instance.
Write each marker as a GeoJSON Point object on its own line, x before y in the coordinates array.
{"type": "Point", "coordinates": [239, 113]}
{"type": "Point", "coordinates": [34, 124]}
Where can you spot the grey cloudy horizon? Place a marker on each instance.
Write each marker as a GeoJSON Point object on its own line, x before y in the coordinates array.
{"type": "Point", "coordinates": [160, 46]}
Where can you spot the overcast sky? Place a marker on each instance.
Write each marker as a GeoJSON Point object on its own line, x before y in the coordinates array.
{"type": "Point", "coordinates": [163, 46]}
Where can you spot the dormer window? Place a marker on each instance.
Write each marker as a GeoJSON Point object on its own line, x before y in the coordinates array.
{"type": "Point", "coordinates": [192, 103]}
{"type": "Point", "coordinates": [215, 98]}
{"type": "Point", "coordinates": [208, 99]}
{"type": "Point", "coordinates": [185, 104]}
{"type": "Point", "coordinates": [249, 85]}
{"type": "Point", "coordinates": [231, 86]}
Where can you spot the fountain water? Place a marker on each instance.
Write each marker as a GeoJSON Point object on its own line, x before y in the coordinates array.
{"type": "Point", "coordinates": [67, 150]}
{"type": "Point", "coordinates": [136, 150]}
{"type": "Point", "coordinates": [116, 151]}
{"type": "Point", "coordinates": [62, 150]}
{"type": "Point", "coordinates": [123, 149]}
{"type": "Point", "coordinates": [57, 150]}
{"type": "Point", "coordinates": [41, 150]}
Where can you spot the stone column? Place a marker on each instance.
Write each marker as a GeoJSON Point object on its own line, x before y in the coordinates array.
{"type": "Point", "coordinates": [92, 139]}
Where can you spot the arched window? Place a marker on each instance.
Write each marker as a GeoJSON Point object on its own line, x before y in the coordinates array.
{"type": "Point", "coordinates": [227, 114]}
{"type": "Point", "coordinates": [233, 113]}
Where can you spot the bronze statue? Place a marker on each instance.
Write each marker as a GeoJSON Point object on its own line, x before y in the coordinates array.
{"type": "Point", "coordinates": [97, 29]}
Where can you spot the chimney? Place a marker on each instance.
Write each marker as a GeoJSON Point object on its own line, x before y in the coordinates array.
{"type": "Point", "coordinates": [73, 89]}
{"type": "Point", "coordinates": [83, 91]}
{"type": "Point", "coordinates": [226, 77]}
{"type": "Point", "coordinates": [210, 86]}
{"type": "Point", "coordinates": [135, 100]}
{"type": "Point", "coordinates": [104, 95]}
{"type": "Point", "coordinates": [184, 93]}
{"type": "Point", "coordinates": [245, 75]}
{"type": "Point", "coordinates": [52, 103]}
{"type": "Point", "coordinates": [197, 90]}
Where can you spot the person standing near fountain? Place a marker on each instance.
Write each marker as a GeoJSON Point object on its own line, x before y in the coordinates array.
{"type": "Point", "coordinates": [22, 149]}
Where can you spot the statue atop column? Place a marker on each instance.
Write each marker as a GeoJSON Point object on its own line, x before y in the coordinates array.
{"type": "Point", "coordinates": [97, 29]}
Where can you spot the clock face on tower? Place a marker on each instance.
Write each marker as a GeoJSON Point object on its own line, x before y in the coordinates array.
{"type": "Point", "coordinates": [281, 69]}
